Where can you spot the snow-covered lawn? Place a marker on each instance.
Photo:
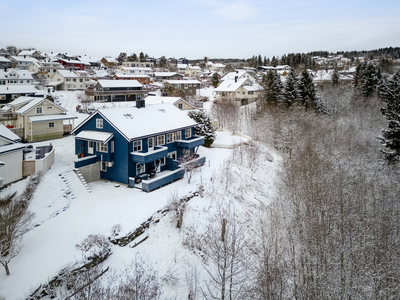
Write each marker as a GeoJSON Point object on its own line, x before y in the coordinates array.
{"type": "Point", "coordinates": [63, 222]}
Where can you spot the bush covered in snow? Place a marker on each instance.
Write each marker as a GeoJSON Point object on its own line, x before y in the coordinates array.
{"type": "Point", "coordinates": [204, 127]}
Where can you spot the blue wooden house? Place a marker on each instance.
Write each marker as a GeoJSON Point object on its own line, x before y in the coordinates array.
{"type": "Point", "coordinates": [140, 146]}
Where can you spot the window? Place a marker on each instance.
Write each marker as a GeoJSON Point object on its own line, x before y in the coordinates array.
{"type": "Point", "coordinates": [51, 124]}
{"type": "Point", "coordinates": [140, 168]}
{"type": "Point", "coordinates": [188, 133]}
{"type": "Point", "coordinates": [150, 142]}
{"type": "Point", "coordinates": [103, 166]}
{"type": "Point", "coordinates": [102, 147]}
{"type": "Point", "coordinates": [160, 162]}
{"type": "Point", "coordinates": [49, 107]}
{"type": "Point", "coordinates": [180, 106]}
{"type": "Point", "coordinates": [38, 110]}
{"type": "Point", "coordinates": [112, 146]}
{"type": "Point", "coordinates": [99, 123]}
{"type": "Point", "coordinates": [172, 155]}
{"type": "Point", "coordinates": [137, 146]}
{"type": "Point", "coordinates": [160, 140]}
{"type": "Point", "coordinates": [170, 137]}
{"type": "Point", "coordinates": [178, 135]}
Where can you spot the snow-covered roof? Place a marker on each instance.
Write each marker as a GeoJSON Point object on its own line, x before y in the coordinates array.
{"type": "Point", "coordinates": [134, 123]}
{"type": "Point", "coordinates": [132, 75]}
{"type": "Point", "coordinates": [22, 59]}
{"type": "Point", "coordinates": [22, 74]}
{"type": "Point", "coordinates": [26, 52]}
{"type": "Point", "coordinates": [67, 73]}
{"type": "Point", "coordinates": [181, 66]}
{"type": "Point", "coordinates": [166, 74]}
{"type": "Point", "coordinates": [8, 134]}
{"type": "Point", "coordinates": [238, 74]}
{"type": "Point", "coordinates": [74, 61]}
{"type": "Point", "coordinates": [255, 87]}
{"type": "Point", "coordinates": [135, 69]}
{"type": "Point", "coordinates": [231, 85]}
{"type": "Point", "coordinates": [92, 135]}
{"type": "Point", "coordinates": [160, 99]}
{"type": "Point", "coordinates": [10, 148]}
{"type": "Point", "coordinates": [46, 118]}
{"type": "Point", "coordinates": [88, 59]}
{"type": "Point", "coordinates": [19, 89]}
{"type": "Point", "coordinates": [28, 106]}
{"type": "Point", "coordinates": [30, 102]}
{"type": "Point", "coordinates": [4, 59]}
{"type": "Point", "coordinates": [217, 65]}
{"type": "Point", "coordinates": [182, 81]}
{"type": "Point", "coordinates": [119, 83]}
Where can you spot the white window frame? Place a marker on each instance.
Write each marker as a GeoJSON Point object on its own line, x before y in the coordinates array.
{"type": "Point", "coordinates": [102, 147]}
{"type": "Point", "coordinates": [160, 140]}
{"type": "Point", "coordinates": [99, 123]}
{"type": "Point", "coordinates": [39, 110]}
{"type": "Point", "coordinates": [173, 153]}
{"type": "Point", "coordinates": [178, 135]}
{"type": "Point", "coordinates": [162, 162]}
{"type": "Point", "coordinates": [150, 148]}
{"type": "Point", "coordinates": [170, 137]}
{"type": "Point", "coordinates": [137, 146]}
{"type": "Point", "coordinates": [51, 124]}
{"type": "Point", "coordinates": [188, 133]}
{"type": "Point", "coordinates": [140, 169]}
{"type": "Point", "coordinates": [103, 166]}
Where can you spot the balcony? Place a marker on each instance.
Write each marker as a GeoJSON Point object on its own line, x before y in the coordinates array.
{"type": "Point", "coordinates": [146, 157]}
{"type": "Point", "coordinates": [192, 142]}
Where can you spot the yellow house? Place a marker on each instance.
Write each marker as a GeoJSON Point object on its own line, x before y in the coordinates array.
{"type": "Point", "coordinates": [37, 119]}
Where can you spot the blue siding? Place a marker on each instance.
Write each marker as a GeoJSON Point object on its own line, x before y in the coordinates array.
{"type": "Point", "coordinates": [125, 162]}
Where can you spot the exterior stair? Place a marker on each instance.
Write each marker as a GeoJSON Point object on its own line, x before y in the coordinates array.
{"type": "Point", "coordinates": [76, 183]}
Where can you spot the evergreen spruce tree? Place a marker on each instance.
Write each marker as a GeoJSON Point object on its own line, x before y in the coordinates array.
{"type": "Point", "coordinates": [389, 92]}
{"type": "Point", "coordinates": [272, 85]}
{"type": "Point", "coordinates": [308, 91]}
{"type": "Point", "coordinates": [335, 77]}
{"type": "Point", "coordinates": [204, 127]}
{"type": "Point", "coordinates": [215, 80]}
{"type": "Point", "coordinates": [291, 92]}
{"type": "Point", "coordinates": [369, 80]}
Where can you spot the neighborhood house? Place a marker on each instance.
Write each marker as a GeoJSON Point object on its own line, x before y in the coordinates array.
{"type": "Point", "coordinates": [139, 146]}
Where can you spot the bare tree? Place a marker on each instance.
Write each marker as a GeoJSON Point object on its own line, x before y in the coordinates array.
{"type": "Point", "coordinates": [226, 258]}
{"type": "Point", "coordinates": [14, 222]}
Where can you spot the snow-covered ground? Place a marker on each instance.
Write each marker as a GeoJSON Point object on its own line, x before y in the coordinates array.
{"type": "Point", "coordinates": [62, 222]}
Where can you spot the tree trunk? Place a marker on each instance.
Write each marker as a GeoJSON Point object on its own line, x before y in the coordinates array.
{"type": "Point", "coordinates": [7, 269]}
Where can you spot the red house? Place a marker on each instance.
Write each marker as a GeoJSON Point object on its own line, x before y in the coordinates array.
{"type": "Point", "coordinates": [73, 64]}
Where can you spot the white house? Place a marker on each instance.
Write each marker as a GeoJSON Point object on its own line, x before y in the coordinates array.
{"type": "Point", "coordinates": [136, 70]}
{"type": "Point", "coordinates": [216, 67]}
{"type": "Point", "coordinates": [71, 80]}
{"type": "Point", "coordinates": [11, 156]}
{"type": "Point", "coordinates": [36, 119]}
{"type": "Point", "coordinates": [239, 88]}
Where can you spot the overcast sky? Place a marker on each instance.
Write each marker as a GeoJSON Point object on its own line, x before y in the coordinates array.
{"type": "Point", "coordinates": [198, 28]}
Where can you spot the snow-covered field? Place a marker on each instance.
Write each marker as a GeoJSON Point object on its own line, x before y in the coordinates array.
{"type": "Point", "coordinates": [62, 222]}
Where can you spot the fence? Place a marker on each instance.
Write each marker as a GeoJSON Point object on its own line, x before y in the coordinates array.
{"type": "Point", "coordinates": [44, 161]}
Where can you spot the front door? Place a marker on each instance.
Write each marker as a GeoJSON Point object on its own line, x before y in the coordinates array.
{"type": "Point", "coordinates": [151, 144]}
{"type": "Point", "coordinates": [90, 147]}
